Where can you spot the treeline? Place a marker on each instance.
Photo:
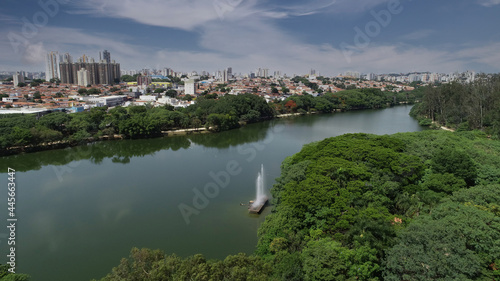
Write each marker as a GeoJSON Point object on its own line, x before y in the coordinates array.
{"type": "Point", "coordinates": [146, 264]}
{"type": "Point", "coordinates": [411, 206]}
{"type": "Point", "coordinates": [132, 122]}
{"type": "Point", "coordinates": [217, 113]}
{"type": "Point", "coordinates": [463, 106]}
{"type": "Point", "coordinates": [346, 100]}
{"type": "Point", "coordinates": [402, 207]}
{"type": "Point", "coordinates": [5, 275]}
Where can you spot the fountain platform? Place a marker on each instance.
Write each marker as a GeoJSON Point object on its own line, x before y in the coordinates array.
{"type": "Point", "coordinates": [257, 209]}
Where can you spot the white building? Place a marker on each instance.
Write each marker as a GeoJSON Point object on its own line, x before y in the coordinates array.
{"type": "Point", "coordinates": [17, 78]}
{"type": "Point", "coordinates": [190, 87]}
{"type": "Point", "coordinates": [52, 66]}
{"type": "Point", "coordinates": [83, 77]}
{"type": "Point", "coordinates": [149, 98]}
{"type": "Point", "coordinates": [106, 101]}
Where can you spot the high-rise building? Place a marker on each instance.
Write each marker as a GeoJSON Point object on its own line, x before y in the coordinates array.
{"type": "Point", "coordinates": [67, 58]}
{"type": "Point", "coordinates": [352, 74]}
{"type": "Point", "coordinates": [144, 80]}
{"type": "Point", "coordinates": [106, 56]}
{"type": "Point", "coordinates": [17, 78]}
{"type": "Point", "coordinates": [52, 66]}
{"type": "Point", "coordinates": [190, 87]}
{"type": "Point", "coordinates": [83, 77]}
{"type": "Point", "coordinates": [99, 72]}
{"type": "Point", "coordinates": [265, 72]}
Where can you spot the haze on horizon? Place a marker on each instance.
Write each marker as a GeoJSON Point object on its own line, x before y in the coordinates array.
{"type": "Point", "coordinates": [330, 36]}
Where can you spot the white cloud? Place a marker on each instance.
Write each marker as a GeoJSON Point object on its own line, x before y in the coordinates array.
{"type": "Point", "coordinates": [419, 34]}
{"type": "Point", "coordinates": [246, 38]}
{"type": "Point", "coordinates": [170, 13]}
{"type": "Point", "coordinates": [252, 46]}
{"type": "Point", "coordinates": [489, 3]}
{"type": "Point", "coordinates": [191, 14]}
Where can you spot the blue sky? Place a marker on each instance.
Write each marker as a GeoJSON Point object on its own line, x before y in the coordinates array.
{"type": "Point", "coordinates": [330, 36]}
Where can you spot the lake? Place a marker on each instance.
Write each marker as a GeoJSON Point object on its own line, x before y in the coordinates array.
{"type": "Point", "coordinates": [80, 210]}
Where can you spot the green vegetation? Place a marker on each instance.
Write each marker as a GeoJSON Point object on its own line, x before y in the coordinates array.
{"type": "Point", "coordinates": [146, 264]}
{"type": "Point", "coordinates": [346, 100]}
{"type": "Point", "coordinates": [5, 275]}
{"type": "Point", "coordinates": [132, 122]}
{"type": "Point", "coordinates": [463, 106]}
{"type": "Point", "coordinates": [211, 111]}
{"type": "Point", "coordinates": [129, 78]}
{"type": "Point", "coordinates": [411, 206]}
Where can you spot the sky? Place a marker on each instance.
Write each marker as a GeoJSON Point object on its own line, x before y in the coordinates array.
{"type": "Point", "coordinates": [329, 36]}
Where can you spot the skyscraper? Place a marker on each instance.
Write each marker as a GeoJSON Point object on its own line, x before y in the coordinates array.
{"type": "Point", "coordinates": [265, 72]}
{"type": "Point", "coordinates": [83, 77]}
{"type": "Point", "coordinates": [98, 72]}
{"type": "Point", "coordinates": [190, 87]}
{"type": "Point", "coordinates": [17, 78]}
{"type": "Point", "coordinates": [106, 56]}
{"type": "Point", "coordinates": [52, 66]}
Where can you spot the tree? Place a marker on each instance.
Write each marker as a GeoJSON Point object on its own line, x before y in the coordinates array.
{"type": "Point", "coordinates": [159, 91]}
{"type": "Point", "coordinates": [291, 105]}
{"type": "Point", "coordinates": [55, 121]}
{"type": "Point", "coordinates": [171, 93]}
{"type": "Point", "coordinates": [83, 91]}
{"type": "Point", "coordinates": [457, 242]}
{"type": "Point", "coordinates": [93, 91]}
{"type": "Point", "coordinates": [21, 136]}
{"type": "Point", "coordinates": [5, 275]}
{"type": "Point", "coordinates": [129, 78]}
{"type": "Point", "coordinates": [449, 160]}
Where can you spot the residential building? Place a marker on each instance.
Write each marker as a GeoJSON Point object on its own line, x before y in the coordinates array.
{"type": "Point", "coordinates": [100, 73]}
{"type": "Point", "coordinates": [83, 77]}
{"type": "Point", "coordinates": [190, 87]}
{"type": "Point", "coordinates": [17, 78]}
{"type": "Point", "coordinates": [52, 70]}
{"type": "Point", "coordinates": [144, 80]}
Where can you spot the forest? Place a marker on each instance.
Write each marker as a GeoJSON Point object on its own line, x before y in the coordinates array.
{"type": "Point", "coordinates": [463, 106]}
{"type": "Point", "coordinates": [131, 122]}
{"type": "Point", "coordinates": [410, 206]}
{"type": "Point", "coordinates": [210, 111]}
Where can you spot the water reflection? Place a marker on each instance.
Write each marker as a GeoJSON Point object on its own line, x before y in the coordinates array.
{"type": "Point", "coordinates": [248, 134]}
{"type": "Point", "coordinates": [118, 151]}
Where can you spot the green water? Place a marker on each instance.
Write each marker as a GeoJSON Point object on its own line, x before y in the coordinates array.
{"type": "Point", "coordinates": [80, 210]}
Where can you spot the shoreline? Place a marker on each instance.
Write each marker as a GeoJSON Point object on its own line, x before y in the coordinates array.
{"type": "Point", "coordinates": [15, 150]}
{"type": "Point", "coordinates": [442, 127]}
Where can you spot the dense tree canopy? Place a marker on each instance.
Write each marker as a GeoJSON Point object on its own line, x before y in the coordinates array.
{"type": "Point", "coordinates": [366, 207]}
{"type": "Point", "coordinates": [220, 114]}
{"type": "Point", "coordinates": [463, 106]}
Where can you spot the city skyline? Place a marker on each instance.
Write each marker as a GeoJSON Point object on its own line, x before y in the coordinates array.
{"type": "Point", "coordinates": [383, 36]}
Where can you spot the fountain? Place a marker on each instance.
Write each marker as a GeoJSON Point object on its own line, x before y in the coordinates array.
{"type": "Point", "coordinates": [255, 207]}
